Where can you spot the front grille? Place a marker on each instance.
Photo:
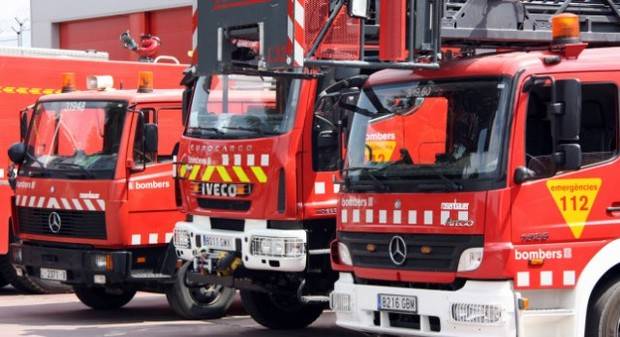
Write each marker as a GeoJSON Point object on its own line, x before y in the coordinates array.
{"type": "Point", "coordinates": [228, 224]}
{"type": "Point", "coordinates": [75, 224]}
{"type": "Point", "coordinates": [371, 250]}
{"type": "Point", "coordinates": [224, 205]}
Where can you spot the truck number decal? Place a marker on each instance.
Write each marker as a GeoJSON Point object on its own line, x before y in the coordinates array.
{"type": "Point", "coordinates": [574, 199]}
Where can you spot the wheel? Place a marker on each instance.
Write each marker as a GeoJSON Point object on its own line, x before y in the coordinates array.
{"type": "Point", "coordinates": [604, 313]}
{"type": "Point", "coordinates": [7, 273]}
{"type": "Point", "coordinates": [279, 312]}
{"type": "Point", "coordinates": [198, 303]}
{"type": "Point", "coordinates": [37, 286]}
{"type": "Point", "coordinates": [103, 298]}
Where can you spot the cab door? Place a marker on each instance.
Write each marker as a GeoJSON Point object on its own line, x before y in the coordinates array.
{"type": "Point", "coordinates": [151, 189]}
{"type": "Point", "coordinates": [559, 216]}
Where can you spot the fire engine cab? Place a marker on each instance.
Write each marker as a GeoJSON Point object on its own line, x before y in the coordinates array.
{"type": "Point", "coordinates": [94, 200]}
{"type": "Point", "coordinates": [258, 160]}
{"type": "Point", "coordinates": [479, 193]}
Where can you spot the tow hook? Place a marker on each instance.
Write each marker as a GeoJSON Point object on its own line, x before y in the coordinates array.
{"type": "Point", "coordinates": [307, 299]}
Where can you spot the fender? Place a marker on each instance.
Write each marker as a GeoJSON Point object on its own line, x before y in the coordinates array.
{"type": "Point", "coordinates": [591, 274]}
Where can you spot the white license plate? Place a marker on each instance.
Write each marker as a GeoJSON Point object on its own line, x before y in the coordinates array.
{"type": "Point", "coordinates": [53, 274]}
{"type": "Point", "coordinates": [216, 242]}
{"type": "Point", "coordinates": [397, 303]}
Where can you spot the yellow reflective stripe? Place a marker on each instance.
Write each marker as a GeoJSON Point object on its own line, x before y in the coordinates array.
{"type": "Point", "coordinates": [259, 173]}
{"type": "Point", "coordinates": [241, 174]}
{"type": "Point", "coordinates": [194, 173]}
{"type": "Point", "coordinates": [182, 171]}
{"type": "Point", "coordinates": [223, 173]}
{"type": "Point", "coordinates": [208, 173]}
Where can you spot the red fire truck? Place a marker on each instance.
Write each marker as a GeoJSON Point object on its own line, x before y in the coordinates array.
{"type": "Point", "coordinates": [26, 74]}
{"type": "Point", "coordinates": [94, 203]}
{"type": "Point", "coordinates": [478, 193]}
{"type": "Point", "coordinates": [258, 160]}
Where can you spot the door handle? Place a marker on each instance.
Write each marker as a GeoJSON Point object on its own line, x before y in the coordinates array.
{"type": "Point", "coordinates": [614, 208]}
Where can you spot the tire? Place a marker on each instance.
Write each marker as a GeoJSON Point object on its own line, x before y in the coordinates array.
{"type": "Point", "coordinates": [36, 286]}
{"type": "Point", "coordinates": [7, 273]}
{"type": "Point", "coordinates": [604, 313]}
{"type": "Point", "coordinates": [103, 298]}
{"type": "Point", "coordinates": [281, 313]}
{"type": "Point", "coordinates": [198, 303]}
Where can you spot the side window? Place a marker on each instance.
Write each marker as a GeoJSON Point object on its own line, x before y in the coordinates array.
{"type": "Point", "coordinates": [139, 156]}
{"type": "Point", "coordinates": [599, 127]}
{"type": "Point", "coordinates": [170, 130]}
{"type": "Point", "coordinates": [325, 135]}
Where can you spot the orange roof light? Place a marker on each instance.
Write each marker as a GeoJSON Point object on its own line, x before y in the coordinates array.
{"type": "Point", "coordinates": [68, 82]}
{"type": "Point", "coordinates": [145, 82]}
{"type": "Point", "coordinates": [565, 28]}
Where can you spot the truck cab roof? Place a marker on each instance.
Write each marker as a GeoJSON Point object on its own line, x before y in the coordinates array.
{"type": "Point", "coordinates": [505, 64]}
{"type": "Point", "coordinates": [132, 96]}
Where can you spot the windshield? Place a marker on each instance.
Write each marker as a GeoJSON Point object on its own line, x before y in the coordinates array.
{"type": "Point", "coordinates": [75, 139]}
{"type": "Point", "coordinates": [239, 107]}
{"type": "Point", "coordinates": [444, 135]}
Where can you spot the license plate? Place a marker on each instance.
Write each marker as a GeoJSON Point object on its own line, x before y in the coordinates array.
{"type": "Point", "coordinates": [218, 242]}
{"type": "Point", "coordinates": [397, 303]}
{"type": "Point", "coordinates": [53, 274]}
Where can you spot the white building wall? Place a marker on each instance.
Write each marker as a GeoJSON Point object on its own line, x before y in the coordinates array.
{"type": "Point", "coordinates": [46, 14]}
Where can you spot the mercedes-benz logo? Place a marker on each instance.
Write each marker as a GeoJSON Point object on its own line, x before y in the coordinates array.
{"type": "Point", "coordinates": [398, 250]}
{"type": "Point", "coordinates": [54, 222]}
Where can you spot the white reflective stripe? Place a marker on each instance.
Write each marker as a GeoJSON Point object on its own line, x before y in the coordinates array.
{"type": "Point", "coordinates": [76, 204]}
{"type": "Point", "coordinates": [428, 217]}
{"type": "Point", "coordinates": [299, 14]}
{"type": "Point", "coordinates": [65, 203]}
{"type": "Point", "coordinates": [32, 201]}
{"type": "Point", "coordinates": [250, 160]}
{"type": "Point", "coordinates": [397, 217]}
{"type": "Point", "coordinates": [53, 203]}
{"type": "Point", "coordinates": [237, 159]}
{"type": "Point", "coordinates": [319, 188]}
{"type": "Point", "coordinates": [101, 204]}
{"type": "Point", "coordinates": [41, 202]}
{"type": "Point", "coordinates": [153, 238]}
{"type": "Point", "coordinates": [289, 28]}
{"type": "Point", "coordinates": [523, 279]}
{"type": "Point", "coordinates": [369, 216]}
{"type": "Point", "coordinates": [24, 201]}
{"type": "Point", "coordinates": [546, 278]}
{"type": "Point", "coordinates": [135, 239]}
{"type": "Point", "coordinates": [463, 215]}
{"type": "Point", "coordinates": [344, 216]}
{"type": "Point", "coordinates": [569, 278]}
{"type": "Point", "coordinates": [382, 216]}
{"type": "Point", "coordinates": [225, 160]}
{"type": "Point", "coordinates": [168, 237]}
{"type": "Point", "coordinates": [18, 198]}
{"type": "Point", "coordinates": [445, 215]}
{"type": "Point", "coordinates": [298, 53]}
{"type": "Point", "coordinates": [89, 205]}
{"type": "Point", "coordinates": [356, 216]}
{"type": "Point", "coordinates": [336, 188]}
{"type": "Point", "coordinates": [264, 160]}
{"type": "Point", "coordinates": [413, 217]}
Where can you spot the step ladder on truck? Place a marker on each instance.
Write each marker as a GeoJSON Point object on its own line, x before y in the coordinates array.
{"type": "Point", "coordinates": [479, 194]}
{"type": "Point", "coordinates": [259, 156]}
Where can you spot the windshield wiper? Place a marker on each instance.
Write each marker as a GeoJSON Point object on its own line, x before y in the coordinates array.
{"type": "Point", "coordinates": [367, 173]}
{"type": "Point", "coordinates": [255, 130]}
{"type": "Point", "coordinates": [86, 172]}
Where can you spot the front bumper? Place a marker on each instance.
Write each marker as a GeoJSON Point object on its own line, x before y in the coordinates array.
{"type": "Point", "coordinates": [80, 266]}
{"type": "Point", "coordinates": [192, 248]}
{"type": "Point", "coordinates": [434, 316]}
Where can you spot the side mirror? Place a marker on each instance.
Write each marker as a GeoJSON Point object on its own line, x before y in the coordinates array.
{"type": "Point", "coordinates": [186, 105]}
{"type": "Point", "coordinates": [23, 124]}
{"type": "Point", "coordinates": [359, 9]}
{"type": "Point", "coordinates": [567, 110]}
{"type": "Point", "coordinates": [17, 153]}
{"type": "Point", "coordinates": [151, 139]}
{"type": "Point", "coordinates": [523, 174]}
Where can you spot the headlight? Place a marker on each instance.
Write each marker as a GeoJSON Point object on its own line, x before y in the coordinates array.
{"type": "Point", "coordinates": [476, 313]}
{"type": "Point", "coordinates": [470, 259]}
{"type": "Point", "coordinates": [277, 247]}
{"type": "Point", "coordinates": [182, 239]}
{"type": "Point", "coordinates": [103, 262]}
{"type": "Point", "coordinates": [340, 302]}
{"type": "Point", "coordinates": [344, 255]}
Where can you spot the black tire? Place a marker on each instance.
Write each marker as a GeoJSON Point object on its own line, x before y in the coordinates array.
{"type": "Point", "coordinates": [279, 313]}
{"type": "Point", "coordinates": [104, 299]}
{"type": "Point", "coordinates": [198, 303]}
{"type": "Point", "coordinates": [36, 286]}
{"type": "Point", "coordinates": [604, 313]}
{"type": "Point", "coordinates": [7, 273]}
